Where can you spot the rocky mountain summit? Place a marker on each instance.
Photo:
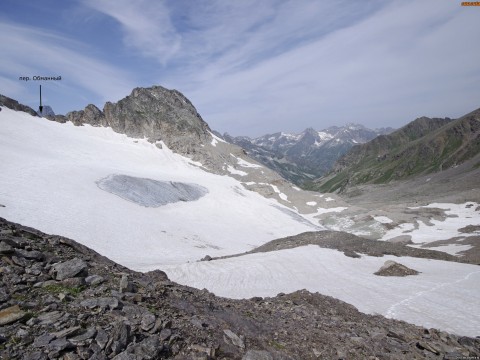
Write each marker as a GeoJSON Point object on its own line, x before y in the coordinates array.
{"type": "Point", "coordinates": [155, 113]}
{"type": "Point", "coordinates": [302, 157]}
{"type": "Point", "coordinates": [421, 147]}
{"type": "Point", "coordinates": [62, 300]}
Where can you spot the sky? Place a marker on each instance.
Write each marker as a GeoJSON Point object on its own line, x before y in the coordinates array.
{"type": "Point", "coordinates": [250, 67]}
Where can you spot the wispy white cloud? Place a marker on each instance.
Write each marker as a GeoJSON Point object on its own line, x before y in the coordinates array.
{"type": "Point", "coordinates": [409, 59]}
{"type": "Point", "coordinates": [29, 51]}
{"type": "Point", "coordinates": [252, 67]}
{"type": "Point", "coordinates": [147, 25]}
{"type": "Point", "coordinates": [242, 36]}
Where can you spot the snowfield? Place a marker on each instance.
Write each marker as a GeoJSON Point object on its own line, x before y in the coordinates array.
{"type": "Point", "coordinates": [48, 180]}
{"type": "Point", "coordinates": [444, 295]}
{"type": "Point", "coordinates": [149, 208]}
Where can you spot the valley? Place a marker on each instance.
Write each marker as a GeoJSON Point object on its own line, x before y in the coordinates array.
{"type": "Point", "coordinates": [181, 200]}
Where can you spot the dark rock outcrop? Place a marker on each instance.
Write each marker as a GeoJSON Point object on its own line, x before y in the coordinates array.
{"type": "Point", "coordinates": [15, 105]}
{"type": "Point", "coordinates": [392, 268]}
{"type": "Point", "coordinates": [155, 113]}
{"type": "Point", "coordinates": [351, 245]}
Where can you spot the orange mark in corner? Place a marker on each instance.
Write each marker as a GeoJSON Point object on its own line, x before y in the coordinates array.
{"type": "Point", "coordinates": [471, 3]}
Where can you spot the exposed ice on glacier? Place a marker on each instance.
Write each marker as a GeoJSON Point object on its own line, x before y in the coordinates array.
{"type": "Point", "coordinates": [150, 193]}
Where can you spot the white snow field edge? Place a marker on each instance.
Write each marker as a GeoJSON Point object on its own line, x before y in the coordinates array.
{"type": "Point", "coordinates": [48, 175]}
{"type": "Point", "coordinates": [444, 295]}
{"type": "Point", "coordinates": [458, 216]}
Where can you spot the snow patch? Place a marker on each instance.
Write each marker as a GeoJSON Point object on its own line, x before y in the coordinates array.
{"type": "Point", "coordinates": [383, 219]}
{"type": "Point", "coordinates": [216, 139]}
{"type": "Point", "coordinates": [280, 194]}
{"type": "Point", "coordinates": [335, 210]}
{"type": "Point", "coordinates": [441, 287]}
{"type": "Point", "coordinates": [234, 171]}
{"type": "Point", "coordinates": [245, 163]}
{"type": "Point", "coordinates": [458, 216]}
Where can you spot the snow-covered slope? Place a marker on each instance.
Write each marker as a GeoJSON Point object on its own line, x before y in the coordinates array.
{"type": "Point", "coordinates": [150, 208]}
{"type": "Point", "coordinates": [48, 180]}
{"type": "Point", "coordinates": [444, 295]}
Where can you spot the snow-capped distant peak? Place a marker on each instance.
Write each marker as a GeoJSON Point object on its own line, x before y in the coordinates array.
{"type": "Point", "coordinates": [324, 135]}
{"type": "Point", "coordinates": [290, 136]}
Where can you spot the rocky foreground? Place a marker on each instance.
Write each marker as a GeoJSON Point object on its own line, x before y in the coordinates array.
{"type": "Point", "coordinates": [61, 300]}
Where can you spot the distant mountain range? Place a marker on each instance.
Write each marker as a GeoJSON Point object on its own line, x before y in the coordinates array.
{"type": "Point", "coordinates": [303, 157]}
{"type": "Point", "coordinates": [423, 146]}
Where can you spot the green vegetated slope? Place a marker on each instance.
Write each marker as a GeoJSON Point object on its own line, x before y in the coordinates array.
{"type": "Point", "coordinates": [423, 146]}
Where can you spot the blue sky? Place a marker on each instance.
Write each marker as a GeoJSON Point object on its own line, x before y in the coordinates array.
{"type": "Point", "coordinates": [250, 67]}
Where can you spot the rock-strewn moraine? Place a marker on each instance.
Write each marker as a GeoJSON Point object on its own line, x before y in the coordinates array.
{"type": "Point", "coordinates": [62, 300]}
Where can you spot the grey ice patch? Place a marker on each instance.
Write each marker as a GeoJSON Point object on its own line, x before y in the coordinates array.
{"type": "Point", "coordinates": [297, 217]}
{"type": "Point", "coordinates": [150, 193]}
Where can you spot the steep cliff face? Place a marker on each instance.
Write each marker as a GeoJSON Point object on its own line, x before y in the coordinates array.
{"type": "Point", "coordinates": [155, 113]}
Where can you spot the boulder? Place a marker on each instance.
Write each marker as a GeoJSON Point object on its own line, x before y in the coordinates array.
{"type": "Point", "coordinates": [392, 268]}
{"type": "Point", "coordinates": [69, 269]}
{"type": "Point", "coordinates": [11, 315]}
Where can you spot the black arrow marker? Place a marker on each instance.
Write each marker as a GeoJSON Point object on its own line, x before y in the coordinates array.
{"type": "Point", "coordinates": [40, 107]}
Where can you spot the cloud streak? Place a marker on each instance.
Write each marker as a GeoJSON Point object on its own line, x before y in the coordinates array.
{"type": "Point", "coordinates": [29, 51]}
{"type": "Point", "coordinates": [255, 67]}
{"type": "Point", "coordinates": [147, 26]}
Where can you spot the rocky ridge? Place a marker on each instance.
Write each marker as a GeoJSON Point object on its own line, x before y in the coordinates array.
{"type": "Point", "coordinates": [353, 246]}
{"type": "Point", "coordinates": [155, 113]}
{"type": "Point", "coordinates": [15, 105]}
{"type": "Point", "coordinates": [421, 147]}
{"type": "Point", "coordinates": [61, 300]}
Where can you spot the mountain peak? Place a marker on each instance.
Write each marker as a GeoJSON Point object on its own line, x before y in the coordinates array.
{"type": "Point", "coordinates": [423, 146]}
{"type": "Point", "coordinates": [353, 126]}
{"type": "Point", "coordinates": [155, 113]}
